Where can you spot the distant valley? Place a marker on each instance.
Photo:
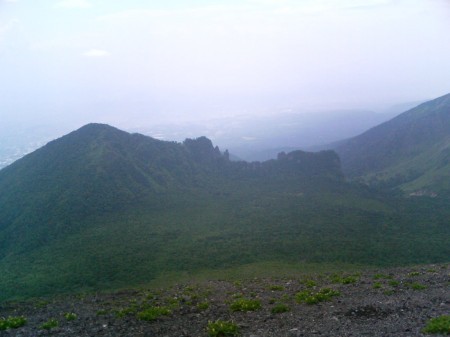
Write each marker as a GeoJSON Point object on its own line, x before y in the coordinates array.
{"type": "Point", "coordinates": [17, 139]}
{"type": "Point", "coordinates": [260, 138]}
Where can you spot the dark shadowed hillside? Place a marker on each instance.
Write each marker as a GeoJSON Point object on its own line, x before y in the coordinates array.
{"type": "Point", "coordinates": [412, 150]}
{"type": "Point", "coordinates": [101, 208]}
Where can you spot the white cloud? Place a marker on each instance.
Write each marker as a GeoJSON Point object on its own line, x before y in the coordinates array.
{"type": "Point", "coordinates": [9, 26]}
{"type": "Point", "coordinates": [96, 53]}
{"type": "Point", "coordinates": [74, 4]}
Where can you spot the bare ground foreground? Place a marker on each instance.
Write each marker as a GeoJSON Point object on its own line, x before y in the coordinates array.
{"type": "Point", "coordinates": [388, 302]}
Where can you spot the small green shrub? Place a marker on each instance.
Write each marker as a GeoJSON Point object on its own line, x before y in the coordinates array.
{"type": "Point", "coordinates": [276, 288]}
{"type": "Point", "coordinates": [310, 297]}
{"type": "Point", "coordinates": [12, 322]}
{"type": "Point", "coordinates": [350, 279]}
{"type": "Point", "coordinates": [345, 279]}
{"type": "Point", "coordinates": [50, 324]}
{"type": "Point", "coordinates": [245, 305]}
{"type": "Point", "coordinates": [237, 284]}
{"type": "Point", "coordinates": [222, 328]}
{"type": "Point", "coordinates": [377, 285]}
{"type": "Point", "coordinates": [302, 296]}
{"type": "Point", "coordinates": [438, 325]}
{"type": "Point", "coordinates": [280, 308]}
{"type": "Point", "coordinates": [153, 313]}
{"type": "Point", "coordinates": [335, 278]}
{"type": "Point", "coordinates": [310, 283]}
{"type": "Point", "coordinates": [70, 316]}
{"type": "Point", "coordinates": [414, 273]}
{"type": "Point", "coordinates": [173, 302]}
{"type": "Point", "coordinates": [102, 312]}
{"type": "Point", "coordinates": [417, 286]}
{"type": "Point", "coordinates": [381, 276]}
{"type": "Point", "coordinates": [285, 298]}
{"type": "Point", "coordinates": [203, 306]}
{"type": "Point", "coordinates": [394, 283]}
{"type": "Point", "coordinates": [124, 312]}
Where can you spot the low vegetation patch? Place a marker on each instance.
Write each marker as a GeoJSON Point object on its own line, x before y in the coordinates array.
{"type": "Point", "coordinates": [222, 328]}
{"type": "Point", "coordinates": [203, 306]}
{"type": "Point", "coordinates": [438, 325]}
{"type": "Point", "coordinates": [349, 279]}
{"type": "Point", "coordinates": [417, 286]}
{"type": "Point", "coordinates": [414, 273]}
{"type": "Point", "coordinates": [276, 288]}
{"type": "Point", "coordinates": [394, 283]}
{"type": "Point", "coordinates": [377, 285]}
{"type": "Point", "coordinates": [280, 308]}
{"type": "Point", "coordinates": [50, 324]}
{"type": "Point", "coordinates": [309, 283]}
{"type": "Point", "coordinates": [125, 311]}
{"type": "Point", "coordinates": [12, 322]}
{"type": "Point", "coordinates": [70, 316]}
{"type": "Point", "coordinates": [153, 313]}
{"type": "Point", "coordinates": [310, 297]}
{"type": "Point", "coordinates": [381, 276]}
{"type": "Point", "coordinates": [245, 305]}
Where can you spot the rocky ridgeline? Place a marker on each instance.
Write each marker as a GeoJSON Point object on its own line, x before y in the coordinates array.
{"type": "Point", "coordinates": [389, 302]}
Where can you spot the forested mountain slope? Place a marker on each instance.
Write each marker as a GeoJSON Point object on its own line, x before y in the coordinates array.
{"type": "Point", "coordinates": [411, 151]}
{"type": "Point", "coordinates": [101, 208]}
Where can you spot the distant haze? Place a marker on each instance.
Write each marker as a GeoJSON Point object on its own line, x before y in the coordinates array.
{"type": "Point", "coordinates": [136, 62]}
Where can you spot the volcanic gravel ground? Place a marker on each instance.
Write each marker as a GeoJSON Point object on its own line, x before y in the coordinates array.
{"type": "Point", "coordinates": [390, 302]}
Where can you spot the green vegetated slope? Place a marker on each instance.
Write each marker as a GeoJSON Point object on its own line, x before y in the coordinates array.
{"type": "Point", "coordinates": [101, 208]}
{"type": "Point", "coordinates": [411, 151]}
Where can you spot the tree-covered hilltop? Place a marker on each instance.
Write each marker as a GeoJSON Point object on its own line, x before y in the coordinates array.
{"type": "Point", "coordinates": [99, 169]}
{"type": "Point", "coordinates": [102, 208]}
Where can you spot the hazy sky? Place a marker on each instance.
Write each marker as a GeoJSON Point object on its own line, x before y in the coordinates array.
{"type": "Point", "coordinates": [124, 62]}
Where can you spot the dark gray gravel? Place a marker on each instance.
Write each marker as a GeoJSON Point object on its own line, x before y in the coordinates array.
{"type": "Point", "coordinates": [387, 302]}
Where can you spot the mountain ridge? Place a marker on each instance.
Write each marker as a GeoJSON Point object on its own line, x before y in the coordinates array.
{"type": "Point", "coordinates": [101, 208]}
{"type": "Point", "coordinates": [87, 180]}
{"type": "Point", "coordinates": [401, 151]}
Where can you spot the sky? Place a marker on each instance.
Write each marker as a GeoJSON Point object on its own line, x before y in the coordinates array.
{"type": "Point", "coordinates": [134, 62]}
